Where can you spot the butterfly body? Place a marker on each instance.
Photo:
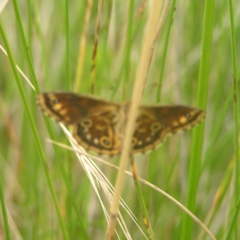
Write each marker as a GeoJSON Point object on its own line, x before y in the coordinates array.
{"type": "Point", "coordinates": [98, 125]}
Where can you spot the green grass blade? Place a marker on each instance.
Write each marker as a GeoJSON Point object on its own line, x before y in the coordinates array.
{"type": "Point", "coordinates": [197, 141]}
{"type": "Point", "coordinates": [233, 225]}
{"type": "Point", "coordinates": [33, 127]}
{"type": "Point", "coordinates": [4, 211]}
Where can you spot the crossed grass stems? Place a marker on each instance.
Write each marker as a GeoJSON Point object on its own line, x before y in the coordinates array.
{"type": "Point", "coordinates": [99, 181]}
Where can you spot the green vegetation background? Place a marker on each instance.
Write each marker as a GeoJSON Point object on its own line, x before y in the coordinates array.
{"type": "Point", "coordinates": [31, 170]}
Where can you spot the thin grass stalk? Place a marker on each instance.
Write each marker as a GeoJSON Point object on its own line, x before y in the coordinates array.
{"type": "Point", "coordinates": [30, 24]}
{"type": "Point", "coordinates": [60, 163]}
{"type": "Point", "coordinates": [158, 97]}
{"type": "Point", "coordinates": [4, 211]}
{"type": "Point", "coordinates": [98, 179]}
{"type": "Point", "coordinates": [19, 70]}
{"type": "Point", "coordinates": [34, 130]}
{"type": "Point", "coordinates": [234, 226]}
{"type": "Point", "coordinates": [33, 10]}
{"type": "Point", "coordinates": [218, 127]}
{"type": "Point", "coordinates": [182, 207]}
{"type": "Point", "coordinates": [82, 48]}
{"type": "Point", "coordinates": [141, 9]}
{"type": "Point", "coordinates": [95, 46]}
{"type": "Point", "coordinates": [150, 185]}
{"type": "Point", "coordinates": [66, 179]}
{"type": "Point", "coordinates": [33, 126]}
{"type": "Point", "coordinates": [197, 140]}
{"type": "Point", "coordinates": [68, 82]}
{"type": "Point", "coordinates": [67, 62]}
{"type": "Point", "coordinates": [141, 198]}
{"type": "Point", "coordinates": [141, 76]}
{"type": "Point", "coordinates": [165, 49]}
{"type": "Point", "coordinates": [83, 231]}
{"type": "Point", "coordinates": [25, 46]}
{"type": "Point", "coordinates": [127, 54]}
{"type": "Point", "coordinates": [218, 198]}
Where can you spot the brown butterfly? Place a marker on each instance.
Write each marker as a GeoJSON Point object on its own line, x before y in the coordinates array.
{"type": "Point", "coordinates": [98, 125]}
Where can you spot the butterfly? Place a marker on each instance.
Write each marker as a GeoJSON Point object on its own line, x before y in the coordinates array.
{"type": "Point", "coordinates": [98, 125]}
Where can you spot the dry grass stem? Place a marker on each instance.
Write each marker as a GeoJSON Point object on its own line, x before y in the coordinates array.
{"type": "Point", "coordinates": [141, 76]}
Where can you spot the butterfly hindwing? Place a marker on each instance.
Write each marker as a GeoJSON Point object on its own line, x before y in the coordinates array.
{"type": "Point", "coordinates": [98, 133]}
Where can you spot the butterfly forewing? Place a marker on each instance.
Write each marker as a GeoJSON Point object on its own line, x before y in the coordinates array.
{"type": "Point", "coordinates": [95, 122]}
{"type": "Point", "coordinates": [178, 118]}
{"type": "Point", "coordinates": [155, 123]}
{"type": "Point", "coordinates": [69, 108]}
